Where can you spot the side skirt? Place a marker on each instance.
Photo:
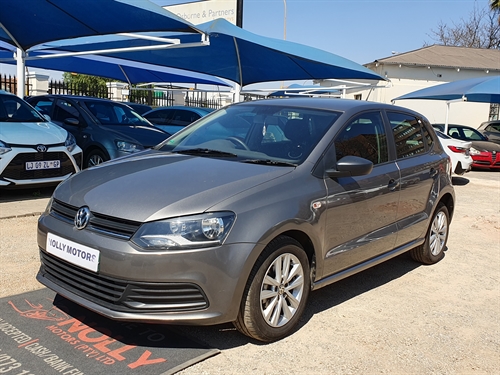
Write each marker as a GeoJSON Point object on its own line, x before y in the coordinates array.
{"type": "Point", "coordinates": [365, 265]}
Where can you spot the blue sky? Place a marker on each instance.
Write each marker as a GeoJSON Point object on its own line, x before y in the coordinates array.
{"type": "Point", "coordinates": [359, 30]}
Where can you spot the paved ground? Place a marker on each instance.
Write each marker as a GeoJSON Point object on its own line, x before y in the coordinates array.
{"type": "Point", "coordinates": [23, 202]}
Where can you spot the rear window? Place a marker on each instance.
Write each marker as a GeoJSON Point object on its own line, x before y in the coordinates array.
{"type": "Point", "coordinates": [410, 135]}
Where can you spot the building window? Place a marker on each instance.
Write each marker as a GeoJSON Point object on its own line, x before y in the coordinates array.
{"type": "Point", "coordinates": [357, 97]}
{"type": "Point", "coordinates": [494, 109]}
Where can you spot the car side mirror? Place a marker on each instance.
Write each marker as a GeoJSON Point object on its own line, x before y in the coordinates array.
{"type": "Point", "coordinates": [72, 121]}
{"type": "Point", "coordinates": [350, 166]}
{"type": "Point", "coordinates": [47, 117]}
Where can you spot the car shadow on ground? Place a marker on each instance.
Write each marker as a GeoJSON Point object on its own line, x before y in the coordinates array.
{"type": "Point", "coordinates": [21, 194]}
{"type": "Point", "coordinates": [226, 336]}
{"type": "Point", "coordinates": [459, 181]}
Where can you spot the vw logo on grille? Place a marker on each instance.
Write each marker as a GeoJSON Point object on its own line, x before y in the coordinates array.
{"type": "Point", "coordinates": [82, 217]}
{"type": "Point", "coordinates": [41, 148]}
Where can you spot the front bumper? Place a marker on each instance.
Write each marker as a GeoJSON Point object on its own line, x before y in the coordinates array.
{"type": "Point", "coordinates": [13, 170]}
{"type": "Point", "coordinates": [486, 160]}
{"type": "Point", "coordinates": [202, 286]}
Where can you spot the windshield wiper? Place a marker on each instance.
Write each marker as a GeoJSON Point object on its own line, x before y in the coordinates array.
{"type": "Point", "coordinates": [205, 152]}
{"type": "Point", "coordinates": [269, 162]}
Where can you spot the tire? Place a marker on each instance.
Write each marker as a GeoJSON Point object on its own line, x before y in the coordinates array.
{"type": "Point", "coordinates": [270, 312]}
{"type": "Point", "coordinates": [432, 251]}
{"type": "Point", "coordinates": [95, 157]}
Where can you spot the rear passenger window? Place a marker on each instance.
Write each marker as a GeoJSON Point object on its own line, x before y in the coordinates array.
{"type": "Point", "coordinates": [365, 137]}
{"type": "Point", "coordinates": [410, 135]}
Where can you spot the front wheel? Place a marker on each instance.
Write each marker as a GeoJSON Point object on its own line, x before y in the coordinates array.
{"type": "Point", "coordinates": [432, 251]}
{"type": "Point", "coordinates": [276, 292]}
{"type": "Point", "coordinates": [95, 157]}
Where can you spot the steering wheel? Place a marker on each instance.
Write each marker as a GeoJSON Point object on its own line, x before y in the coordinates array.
{"type": "Point", "coordinates": [238, 142]}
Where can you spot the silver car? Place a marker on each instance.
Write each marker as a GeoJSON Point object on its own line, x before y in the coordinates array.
{"type": "Point", "coordinates": [240, 215]}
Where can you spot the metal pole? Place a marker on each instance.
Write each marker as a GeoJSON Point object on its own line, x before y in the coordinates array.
{"type": "Point", "coordinates": [284, 20]}
{"type": "Point", "coordinates": [239, 13]}
{"type": "Point", "coordinates": [20, 72]}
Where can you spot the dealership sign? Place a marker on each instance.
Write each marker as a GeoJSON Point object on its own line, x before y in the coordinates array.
{"type": "Point", "coordinates": [204, 11]}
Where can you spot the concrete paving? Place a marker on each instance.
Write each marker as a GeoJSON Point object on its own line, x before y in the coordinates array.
{"type": "Point", "coordinates": [23, 202]}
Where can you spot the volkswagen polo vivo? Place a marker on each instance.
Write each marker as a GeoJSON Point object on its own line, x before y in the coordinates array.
{"type": "Point", "coordinates": [240, 215]}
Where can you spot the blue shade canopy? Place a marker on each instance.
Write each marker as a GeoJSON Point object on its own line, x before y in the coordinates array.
{"type": "Point", "coordinates": [26, 23]}
{"type": "Point", "coordinates": [482, 90]}
{"type": "Point", "coordinates": [239, 56]}
{"type": "Point", "coordinates": [122, 70]}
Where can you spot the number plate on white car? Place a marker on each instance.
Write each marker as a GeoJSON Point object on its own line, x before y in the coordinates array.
{"type": "Point", "coordinates": [73, 252]}
{"type": "Point", "coordinates": [47, 164]}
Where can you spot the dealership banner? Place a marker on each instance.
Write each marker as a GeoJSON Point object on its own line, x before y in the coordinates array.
{"type": "Point", "coordinates": [44, 333]}
{"type": "Point", "coordinates": [206, 10]}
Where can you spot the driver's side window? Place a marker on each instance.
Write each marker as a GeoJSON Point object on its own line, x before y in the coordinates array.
{"type": "Point", "coordinates": [364, 136]}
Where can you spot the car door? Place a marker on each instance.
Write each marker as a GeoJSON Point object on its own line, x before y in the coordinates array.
{"type": "Point", "coordinates": [361, 210]}
{"type": "Point", "coordinates": [64, 114]}
{"type": "Point", "coordinates": [419, 162]}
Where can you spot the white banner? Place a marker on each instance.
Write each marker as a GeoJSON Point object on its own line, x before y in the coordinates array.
{"type": "Point", "coordinates": [206, 10]}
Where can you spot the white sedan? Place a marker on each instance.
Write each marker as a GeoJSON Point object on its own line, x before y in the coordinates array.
{"type": "Point", "coordinates": [33, 151]}
{"type": "Point", "coordinates": [459, 152]}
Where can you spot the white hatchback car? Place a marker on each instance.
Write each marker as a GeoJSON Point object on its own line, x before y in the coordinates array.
{"type": "Point", "coordinates": [459, 152]}
{"type": "Point", "coordinates": [33, 151]}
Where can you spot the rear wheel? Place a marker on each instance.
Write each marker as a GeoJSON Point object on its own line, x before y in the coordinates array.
{"type": "Point", "coordinates": [432, 251]}
{"type": "Point", "coordinates": [276, 292]}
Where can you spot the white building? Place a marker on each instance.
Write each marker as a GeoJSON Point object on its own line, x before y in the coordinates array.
{"type": "Point", "coordinates": [429, 66]}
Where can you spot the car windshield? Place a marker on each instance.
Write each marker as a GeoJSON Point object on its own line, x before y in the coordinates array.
{"type": "Point", "coordinates": [262, 134]}
{"type": "Point", "coordinates": [13, 109]}
{"type": "Point", "coordinates": [109, 113]}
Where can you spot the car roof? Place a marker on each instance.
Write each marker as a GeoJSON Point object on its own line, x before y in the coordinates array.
{"type": "Point", "coordinates": [327, 104]}
{"type": "Point", "coordinates": [80, 97]}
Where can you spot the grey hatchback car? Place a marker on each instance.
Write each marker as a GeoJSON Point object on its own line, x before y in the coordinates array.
{"type": "Point", "coordinates": [239, 216]}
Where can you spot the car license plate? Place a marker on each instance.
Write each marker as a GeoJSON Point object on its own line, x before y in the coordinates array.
{"type": "Point", "coordinates": [47, 164]}
{"type": "Point", "coordinates": [72, 252]}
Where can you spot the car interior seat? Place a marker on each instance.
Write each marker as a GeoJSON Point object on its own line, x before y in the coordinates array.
{"type": "Point", "coordinates": [297, 131]}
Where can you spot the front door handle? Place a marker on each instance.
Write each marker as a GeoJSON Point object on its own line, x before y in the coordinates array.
{"type": "Point", "coordinates": [393, 184]}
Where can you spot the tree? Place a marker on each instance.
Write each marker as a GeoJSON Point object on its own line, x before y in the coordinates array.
{"type": "Point", "coordinates": [480, 30]}
{"type": "Point", "coordinates": [86, 80]}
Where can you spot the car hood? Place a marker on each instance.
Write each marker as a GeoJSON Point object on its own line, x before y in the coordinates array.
{"type": "Point", "coordinates": [148, 136]}
{"type": "Point", "coordinates": [31, 133]}
{"type": "Point", "coordinates": [154, 185]}
{"type": "Point", "coordinates": [486, 146]}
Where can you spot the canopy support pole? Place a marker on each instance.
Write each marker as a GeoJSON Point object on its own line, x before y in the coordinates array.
{"type": "Point", "coordinates": [236, 93]}
{"type": "Point", "coordinates": [446, 119]}
{"type": "Point", "coordinates": [20, 72]}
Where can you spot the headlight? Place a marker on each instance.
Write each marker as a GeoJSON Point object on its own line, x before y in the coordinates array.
{"type": "Point", "coordinates": [4, 148]}
{"type": "Point", "coordinates": [189, 232]}
{"type": "Point", "coordinates": [473, 151]}
{"type": "Point", "coordinates": [70, 142]}
{"type": "Point", "coordinates": [128, 147]}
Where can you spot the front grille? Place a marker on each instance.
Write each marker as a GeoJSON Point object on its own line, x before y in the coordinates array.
{"type": "Point", "coordinates": [104, 224]}
{"type": "Point", "coordinates": [122, 295]}
{"type": "Point", "coordinates": [16, 169]}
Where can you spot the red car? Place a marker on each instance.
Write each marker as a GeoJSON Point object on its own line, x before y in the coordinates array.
{"type": "Point", "coordinates": [485, 154]}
